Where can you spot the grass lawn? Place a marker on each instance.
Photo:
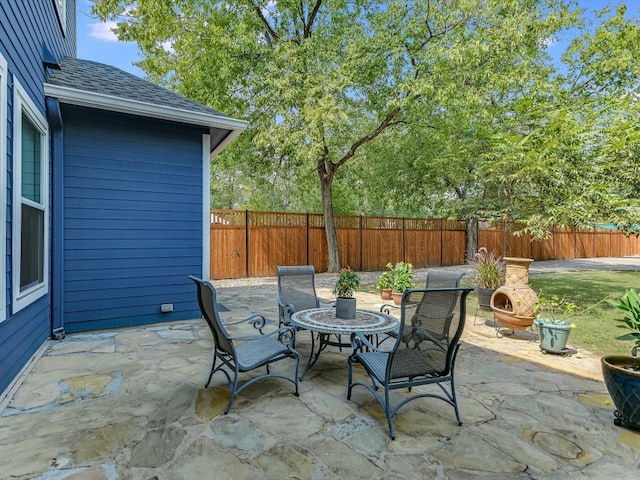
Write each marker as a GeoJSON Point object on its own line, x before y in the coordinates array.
{"type": "Point", "coordinates": [595, 328]}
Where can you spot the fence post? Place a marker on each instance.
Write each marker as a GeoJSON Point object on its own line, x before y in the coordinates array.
{"type": "Point", "coordinates": [307, 242]}
{"type": "Point", "coordinates": [246, 243]}
{"type": "Point", "coordinates": [360, 232]}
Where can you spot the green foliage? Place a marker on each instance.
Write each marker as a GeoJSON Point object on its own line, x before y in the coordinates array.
{"type": "Point", "coordinates": [385, 280]}
{"type": "Point", "coordinates": [402, 274]}
{"type": "Point", "coordinates": [547, 308]}
{"type": "Point", "coordinates": [401, 108]}
{"type": "Point", "coordinates": [348, 282]}
{"type": "Point", "coordinates": [629, 305]}
{"type": "Point", "coordinates": [595, 319]}
{"type": "Point", "coordinates": [488, 269]}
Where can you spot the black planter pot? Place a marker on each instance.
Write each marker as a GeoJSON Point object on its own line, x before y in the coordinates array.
{"type": "Point", "coordinates": [624, 388]}
{"type": "Point", "coordinates": [484, 298]}
{"type": "Point", "coordinates": [346, 308]}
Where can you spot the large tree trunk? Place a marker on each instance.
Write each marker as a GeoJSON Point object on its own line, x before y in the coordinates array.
{"type": "Point", "coordinates": [326, 182]}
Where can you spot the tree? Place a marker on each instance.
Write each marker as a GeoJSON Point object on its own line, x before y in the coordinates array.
{"type": "Point", "coordinates": [321, 82]}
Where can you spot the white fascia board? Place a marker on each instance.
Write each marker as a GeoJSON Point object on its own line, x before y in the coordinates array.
{"type": "Point", "coordinates": [223, 144]}
{"type": "Point", "coordinates": [83, 98]}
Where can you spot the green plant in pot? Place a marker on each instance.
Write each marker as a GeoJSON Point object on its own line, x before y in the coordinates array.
{"type": "Point", "coordinates": [488, 275]}
{"type": "Point", "coordinates": [402, 274]}
{"type": "Point", "coordinates": [553, 331]}
{"type": "Point", "coordinates": [622, 373]}
{"type": "Point", "coordinates": [347, 284]}
{"type": "Point", "coordinates": [385, 283]}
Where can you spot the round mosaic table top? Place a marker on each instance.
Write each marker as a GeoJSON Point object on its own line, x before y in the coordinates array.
{"type": "Point", "coordinates": [324, 320]}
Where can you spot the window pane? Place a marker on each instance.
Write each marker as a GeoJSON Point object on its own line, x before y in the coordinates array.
{"type": "Point", "coordinates": [32, 261]}
{"type": "Point", "coordinates": [31, 160]}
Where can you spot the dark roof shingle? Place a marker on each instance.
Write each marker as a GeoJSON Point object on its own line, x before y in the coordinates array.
{"type": "Point", "coordinates": [94, 77]}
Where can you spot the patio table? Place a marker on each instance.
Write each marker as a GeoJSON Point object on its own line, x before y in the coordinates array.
{"type": "Point", "coordinates": [324, 323]}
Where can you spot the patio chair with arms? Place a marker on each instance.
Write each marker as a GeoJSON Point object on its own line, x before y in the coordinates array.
{"type": "Point", "coordinates": [243, 354]}
{"type": "Point", "coordinates": [424, 351]}
{"type": "Point", "coordinates": [435, 279]}
{"type": "Point", "coordinates": [296, 292]}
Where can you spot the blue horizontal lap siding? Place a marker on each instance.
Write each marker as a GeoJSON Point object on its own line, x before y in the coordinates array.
{"type": "Point", "coordinates": [133, 219]}
{"type": "Point", "coordinates": [25, 27]}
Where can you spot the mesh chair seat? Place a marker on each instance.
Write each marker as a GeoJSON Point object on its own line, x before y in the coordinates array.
{"type": "Point", "coordinates": [255, 352]}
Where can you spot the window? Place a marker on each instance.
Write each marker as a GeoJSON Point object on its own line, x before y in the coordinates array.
{"type": "Point", "coordinates": [3, 185]}
{"type": "Point", "coordinates": [30, 211]}
{"type": "Point", "coordinates": [61, 10]}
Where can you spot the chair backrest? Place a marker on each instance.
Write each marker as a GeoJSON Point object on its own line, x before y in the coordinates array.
{"type": "Point", "coordinates": [208, 306]}
{"type": "Point", "coordinates": [443, 278]}
{"type": "Point", "coordinates": [431, 324]}
{"type": "Point", "coordinates": [296, 286]}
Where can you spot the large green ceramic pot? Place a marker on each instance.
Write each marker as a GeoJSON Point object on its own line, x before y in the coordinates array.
{"type": "Point", "coordinates": [624, 387]}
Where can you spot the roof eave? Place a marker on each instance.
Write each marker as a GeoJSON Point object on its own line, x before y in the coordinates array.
{"type": "Point", "coordinates": [85, 98]}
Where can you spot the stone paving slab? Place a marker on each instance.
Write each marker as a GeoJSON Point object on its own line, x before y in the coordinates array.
{"type": "Point", "coordinates": [130, 404]}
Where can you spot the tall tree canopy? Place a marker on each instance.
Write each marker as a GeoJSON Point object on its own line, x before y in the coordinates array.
{"type": "Point", "coordinates": [339, 89]}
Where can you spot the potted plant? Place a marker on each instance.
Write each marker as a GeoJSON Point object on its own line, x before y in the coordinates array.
{"type": "Point", "coordinates": [622, 373]}
{"type": "Point", "coordinates": [402, 274]}
{"type": "Point", "coordinates": [348, 282]}
{"type": "Point", "coordinates": [553, 332]}
{"type": "Point", "coordinates": [385, 283]}
{"type": "Point", "coordinates": [488, 275]}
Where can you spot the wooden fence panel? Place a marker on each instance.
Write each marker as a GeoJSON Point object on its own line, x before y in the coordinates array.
{"type": "Point", "coordinates": [454, 237]}
{"type": "Point", "coordinates": [271, 246]}
{"type": "Point", "coordinates": [543, 249]}
{"type": "Point", "coordinates": [491, 240]}
{"type": "Point", "coordinates": [602, 244]}
{"type": "Point", "coordinates": [348, 231]}
{"type": "Point", "coordinates": [381, 242]}
{"type": "Point", "coordinates": [227, 244]}
{"type": "Point", "coordinates": [228, 251]}
{"type": "Point", "coordinates": [423, 247]}
{"type": "Point", "coordinates": [520, 246]}
{"type": "Point", "coordinates": [584, 244]}
{"type": "Point", "coordinates": [380, 247]}
{"type": "Point", "coordinates": [253, 243]}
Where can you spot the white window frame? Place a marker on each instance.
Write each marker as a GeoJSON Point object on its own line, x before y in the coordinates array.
{"type": "Point", "coordinates": [4, 97]}
{"type": "Point", "coordinates": [23, 105]}
{"type": "Point", "coordinates": [61, 10]}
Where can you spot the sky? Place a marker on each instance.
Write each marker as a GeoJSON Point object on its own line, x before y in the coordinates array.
{"type": "Point", "coordinates": [97, 42]}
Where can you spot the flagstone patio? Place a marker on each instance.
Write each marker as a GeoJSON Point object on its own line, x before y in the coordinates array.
{"type": "Point", "coordinates": [130, 404]}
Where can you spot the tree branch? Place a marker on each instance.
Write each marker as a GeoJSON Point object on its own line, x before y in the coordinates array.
{"type": "Point", "coordinates": [271, 34]}
{"type": "Point", "coordinates": [388, 121]}
{"type": "Point", "coordinates": [312, 16]}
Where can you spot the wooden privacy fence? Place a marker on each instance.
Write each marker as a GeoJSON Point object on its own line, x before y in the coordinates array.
{"type": "Point", "coordinates": [251, 244]}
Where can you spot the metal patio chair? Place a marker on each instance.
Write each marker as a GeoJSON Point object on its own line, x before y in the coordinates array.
{"type": "Point", "coordinates": [435, 279]}
{"type": "Point", "coordinates": [296, 292]}
{"type": "Point", "coordinates": [243, 354]}
{"type": "Point", "coordinates": [424, 351]}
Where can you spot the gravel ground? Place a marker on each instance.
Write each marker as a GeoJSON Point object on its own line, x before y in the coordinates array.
{"type": "Point", "coordinates": [327, 280]}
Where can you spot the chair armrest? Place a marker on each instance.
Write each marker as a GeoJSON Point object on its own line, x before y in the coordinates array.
{"type": "Point", "coordinates": [285, 335]}
{"type": "Point", "coordinates": [386, 308]}
{"type": "Point", "coordinates": [330, 303]}
{"type": "Point", "coordinates": [359, 341]}
{"type": "Point", "coordinates": [257, 320]}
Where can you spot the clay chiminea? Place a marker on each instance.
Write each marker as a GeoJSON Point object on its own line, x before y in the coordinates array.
{"type": "Point", "coordinates": [512, 304]}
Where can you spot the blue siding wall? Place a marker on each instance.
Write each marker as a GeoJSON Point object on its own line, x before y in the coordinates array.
{"type": "Point", "coordinates": [133, 219]}
{"type": "Point", "coordinates": [26, 27]}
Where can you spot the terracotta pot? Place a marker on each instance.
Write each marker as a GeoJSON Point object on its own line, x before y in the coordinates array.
{"type": "Point", "coordinates": [624, 387]}
{"type": "Point", "coordinates": [397, 298]}
{"type": "Point", "coordinates": [513, 303]}
{"type": "Point", "coordinates": [385, 294]}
